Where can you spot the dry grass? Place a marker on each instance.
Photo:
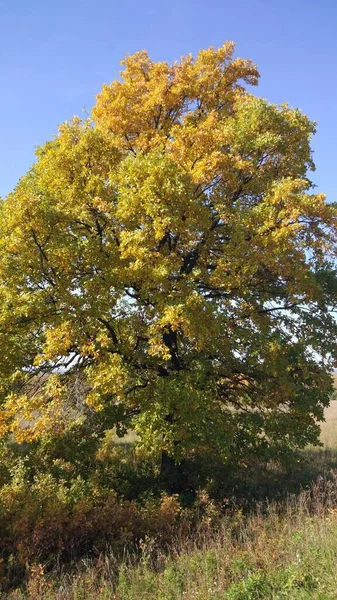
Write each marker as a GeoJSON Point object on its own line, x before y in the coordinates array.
{"type": "Point", "coordinates": [129, 439]}
{"type": "Point", "coordinates": [329, 427]}
{"type": "Point", "coordinates": [283, 551]}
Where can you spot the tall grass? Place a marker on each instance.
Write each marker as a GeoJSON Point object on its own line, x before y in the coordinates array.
{"type": "Point", "coordinates": [286, 548]}
{"type": "Point", "coordinates": [282, 550]}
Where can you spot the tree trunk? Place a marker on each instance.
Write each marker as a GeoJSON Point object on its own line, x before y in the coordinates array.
{"type": "Point", "coordinates": [172, 478]}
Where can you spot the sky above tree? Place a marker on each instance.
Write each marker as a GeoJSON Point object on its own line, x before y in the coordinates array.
{"type": "Point", "coordinates": [54, 57]}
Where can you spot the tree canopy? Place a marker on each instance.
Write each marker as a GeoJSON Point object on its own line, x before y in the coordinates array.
{"type": "Point", "coordinates": [167, 264]}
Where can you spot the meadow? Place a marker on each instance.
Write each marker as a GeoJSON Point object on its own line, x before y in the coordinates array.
{"type": "Point", "coordinates": [284, 548]}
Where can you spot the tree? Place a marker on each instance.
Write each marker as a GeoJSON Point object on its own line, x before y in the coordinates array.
{"type": "Point", "coordinates": [166, 264]}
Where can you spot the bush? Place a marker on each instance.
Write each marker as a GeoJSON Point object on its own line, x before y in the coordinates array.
{"type": "Point", "coordinates": [51, 521]}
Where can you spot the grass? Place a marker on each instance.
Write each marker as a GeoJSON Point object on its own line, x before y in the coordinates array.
{"type": "Point", "coordinates": [284, 551]}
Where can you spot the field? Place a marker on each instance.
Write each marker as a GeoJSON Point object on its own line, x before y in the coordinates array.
{"type": "Point", "coordinates": [329, 428]}
{"type": "Point", "coordinates": [279, 550]}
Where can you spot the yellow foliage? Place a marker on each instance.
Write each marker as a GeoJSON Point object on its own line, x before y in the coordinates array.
{"type": "Point", "coordinates": [173, 236]}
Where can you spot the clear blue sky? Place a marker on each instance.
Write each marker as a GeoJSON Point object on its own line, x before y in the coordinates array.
{"type": "Point", "coordinates": [55, 55]}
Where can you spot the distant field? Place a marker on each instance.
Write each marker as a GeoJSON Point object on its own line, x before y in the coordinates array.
{"type": "Point", "coordinates": [329, 428]}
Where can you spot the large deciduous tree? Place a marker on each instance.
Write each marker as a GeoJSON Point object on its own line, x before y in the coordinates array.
{"type": "Point", "coordinates": [166, 264]}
